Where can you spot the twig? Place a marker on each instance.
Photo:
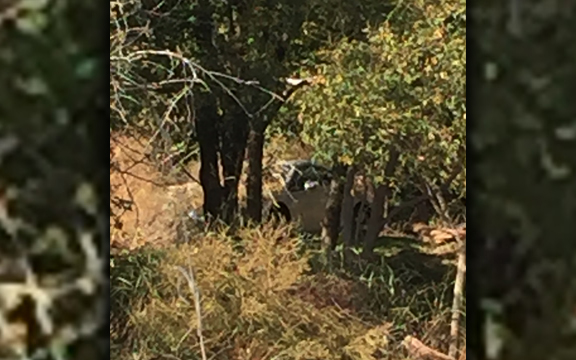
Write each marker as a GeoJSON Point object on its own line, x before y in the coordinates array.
{"type": "Point", "coordinates": [189, 276]}
{"type": "Point", "coordinates": [457, 302]}
{"type": "Point", "coordinates": [440, 236]}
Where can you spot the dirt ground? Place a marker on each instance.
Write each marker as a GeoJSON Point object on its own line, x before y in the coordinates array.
{"type": "Point", "coordinates": [143, 207]}
{"type": "Point", "coordinates": [146, 207]}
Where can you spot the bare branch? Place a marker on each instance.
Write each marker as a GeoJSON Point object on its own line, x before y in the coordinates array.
{"type": "Point", "coordinates": [189, 276]}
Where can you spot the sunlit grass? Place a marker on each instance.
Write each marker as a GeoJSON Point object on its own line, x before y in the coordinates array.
{"type": "Point", "coordinates": [260, 298]}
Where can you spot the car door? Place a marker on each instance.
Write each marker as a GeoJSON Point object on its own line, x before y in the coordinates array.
{"type": "Point", "coordinates": [310, 195]}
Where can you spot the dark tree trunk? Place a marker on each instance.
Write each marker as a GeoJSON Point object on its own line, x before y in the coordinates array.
{"type": "Point", "coordinates": [232, 156]}
{"type": "Point", "coordinates": [207, 120]}
{"type": "Point", "coordinates": [206, 127]}
{"type": "Point", "coordinates": [255, 150]}
{"type": "Point", "coordinates": [331, 221]}
{"type": "Point", "coordinates": [375, 220]}
{"type": "Point", "coordinates": [348, 209]}
{"type": "Point", "coordinates": [381, 194]}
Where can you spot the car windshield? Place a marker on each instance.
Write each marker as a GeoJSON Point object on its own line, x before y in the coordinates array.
{"type": "Point", "coordinates": [302, 173]}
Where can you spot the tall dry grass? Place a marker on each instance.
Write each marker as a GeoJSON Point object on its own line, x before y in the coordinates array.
{"type": "Point", "coordinates": [260, 298]}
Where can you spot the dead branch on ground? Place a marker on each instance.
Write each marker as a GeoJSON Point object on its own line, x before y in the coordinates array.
{"type": "Point", "coordinates": [422, 352]}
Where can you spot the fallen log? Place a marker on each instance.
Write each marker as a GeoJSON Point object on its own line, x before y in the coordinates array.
{"type": "Point", "coordinates": [422, 352]}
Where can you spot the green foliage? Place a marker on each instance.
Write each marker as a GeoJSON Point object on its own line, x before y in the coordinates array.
{"type": "Point", "coordinates": [402, 89]}
{"type": "Point", "coordinates": [230, 42]}
{"type": "Point", "coordinates": [173, 62]}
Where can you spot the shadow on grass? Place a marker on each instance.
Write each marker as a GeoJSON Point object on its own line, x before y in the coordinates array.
{"type": "Point", "coordinates": [402, 285]}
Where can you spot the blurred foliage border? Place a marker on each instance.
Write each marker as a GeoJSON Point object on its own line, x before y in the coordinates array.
{"type": "Point", "coordinates": [523, 139]}
{"type": "Point", "coordinates": [53, 177]}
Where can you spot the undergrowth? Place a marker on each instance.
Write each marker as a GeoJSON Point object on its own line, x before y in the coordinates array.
{"type": "Point", "coordinates": [263, 295]}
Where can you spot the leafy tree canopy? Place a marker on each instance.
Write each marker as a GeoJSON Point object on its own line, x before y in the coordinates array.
{"type": "Point", "coordinates": [402, 90]}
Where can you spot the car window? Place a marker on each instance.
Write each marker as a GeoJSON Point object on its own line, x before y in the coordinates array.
{"type": "Point", "coordinates": [308, 173]}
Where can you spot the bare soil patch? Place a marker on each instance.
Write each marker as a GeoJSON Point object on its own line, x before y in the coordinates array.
{"type": "Point", "coordinates": [145, 207]}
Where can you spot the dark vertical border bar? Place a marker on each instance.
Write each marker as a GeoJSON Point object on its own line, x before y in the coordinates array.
{"type": "Point", "coordinates": [474, 326]}
{"type": "Point", "coordinates": [100, 128]}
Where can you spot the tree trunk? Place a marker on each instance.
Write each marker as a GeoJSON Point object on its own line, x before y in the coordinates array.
{"type": "Point", "coordinates": [233, 148]}
{"type": "Point", "coordinates": [375, 221]}
{"type": "Point", "coordinates": [331, 221]}
{"type": "Point", "coordinates": [457, 303]}
{"type": "Point", "coordinates": [363, 213]}
{"type": "Point", "coordinates": [381, 195]}
{"type": "Point", "coordinates": [348, 209]}
{"type": "Point", "coordinates": [255, 150]}
{"type": "Point", "coordinates": [206, 127]}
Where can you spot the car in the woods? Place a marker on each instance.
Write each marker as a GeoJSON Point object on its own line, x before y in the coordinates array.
{"type": "Point", "coordinates": [303, 195]}
{"type": "Point", "coordinates": [300, 196]}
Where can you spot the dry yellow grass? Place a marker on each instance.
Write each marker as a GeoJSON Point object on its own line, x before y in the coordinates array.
{"type": "Point", "coordinates": [259, 300]}
{"type": "Point", "coordinates": [250, 309]}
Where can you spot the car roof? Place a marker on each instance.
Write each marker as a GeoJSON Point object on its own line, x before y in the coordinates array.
{"type": "Point", "coordinates": [290, 166]}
